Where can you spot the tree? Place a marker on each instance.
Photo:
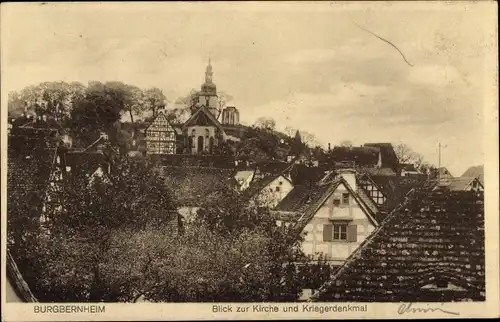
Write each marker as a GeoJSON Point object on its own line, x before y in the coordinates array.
{"type": "Point", "coordinates": [290, 131]}
{"type": "Point", "coordinates": [53, 98]}
{"type": "Point", "coordinates": [309, 139]}
{"type": "Point", "coordinates": [232, 251]}
{"type": "Point", "coordinates": [406, 155]}
{"type": "Point", "coordinates": [85, 220]}
{"type": "Point", "coordinates": [223, 98]}
{"type": "Point", "coordinates": [189, 100]}
{"type": "Point", "coordinates": [130, 97]}
{"type": "Point", "coordinates": [266, 123]}
{"type": "Point", "coordinates": [346, 143]}
{"type": "Point", "coordinates": [99, 110]}
{"type": "Point", "coordinates": [154, 100]}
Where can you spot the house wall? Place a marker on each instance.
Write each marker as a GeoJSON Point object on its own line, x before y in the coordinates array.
{"type": "Point", "coordinates": [270, 196]}
{"type": "Point", "coordinates": [246, 177]}
{"type": "Point", "coordinates": [336, 251]}
{"type": "Point", "coordinates": [188, 213]}
{"type": "Point", "coordinates": [201, 131]}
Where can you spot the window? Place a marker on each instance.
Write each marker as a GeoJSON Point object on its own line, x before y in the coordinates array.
{"type": "Point", "coordinates": [339, 232]}
{"type": "Point", "coordinates": [277, 189]}
{"type": "Point", "coordinates": [336, 202]}
{"type": "Point", "coordinates": [345, 198]}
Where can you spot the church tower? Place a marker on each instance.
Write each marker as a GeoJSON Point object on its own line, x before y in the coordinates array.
{"type": "Point", "coordinates": [208, 95]}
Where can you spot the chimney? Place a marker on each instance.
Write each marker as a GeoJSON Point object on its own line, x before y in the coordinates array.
{"type": "Point", "coordinates": [349, 175]}
{"type": "Point", "coordinates": [329, 147]}
{"type": "Point", "coordinates": [379, 162]}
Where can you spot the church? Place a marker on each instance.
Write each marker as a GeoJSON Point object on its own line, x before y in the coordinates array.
{"type": "Point", "coordinates": [208, 125]}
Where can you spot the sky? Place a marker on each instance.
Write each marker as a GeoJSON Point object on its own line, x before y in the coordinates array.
{"type": "Point", "coordinates": [312, 66]}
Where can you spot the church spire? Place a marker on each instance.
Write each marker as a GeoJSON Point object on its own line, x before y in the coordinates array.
{"type": "Point", "coordinates": [208, 72]}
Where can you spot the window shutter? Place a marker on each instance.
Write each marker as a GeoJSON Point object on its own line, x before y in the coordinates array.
{"type": "Point", "coordinates": [328, 232]}
{"type": "Point", "coordinates": [352, 233]}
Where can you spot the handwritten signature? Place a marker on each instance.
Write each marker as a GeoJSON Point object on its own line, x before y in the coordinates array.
{"type": "Point", "coordinates": [406, 308]}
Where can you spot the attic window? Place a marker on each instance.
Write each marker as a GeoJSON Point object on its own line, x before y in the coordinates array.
{"type": "Point", "coordinates": [336, 202]}
{"type": "Point", "coordinates": [345, 198]}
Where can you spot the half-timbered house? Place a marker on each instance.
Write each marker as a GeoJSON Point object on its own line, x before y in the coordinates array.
{"type": "Point", "coordinates": [429, 249]}
{"type": "Point", "coordinates": [161, 136]}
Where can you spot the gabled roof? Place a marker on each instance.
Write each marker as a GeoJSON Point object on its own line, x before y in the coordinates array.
{"type": "Point", "coordinates": [475, 171]}
{"type": "Point", "coordinates": [395, 188]}
{"type": "Point", "coordinates": [431, 236]}
{"type": "Point", "coordinates": [458, 184]}
{"type": "Point", "coordinates": [362, 156]}
{"type": "Point", "coordinates": [302, 174]}
{"type": "Point", "coordinates": [264, 174]}
{"type": "Point", "coordinates": [306, 201]}
{"type": "Point", "coordinates": [192, 185]}
{"type": "Point", "coordinates": [159, 118]}
{"type": "Point", "coordinates": [204, 116]}
{"type": "Point", "coordinates": [389, 157]}
{"type": "Point", "coordinates": [444, 173]}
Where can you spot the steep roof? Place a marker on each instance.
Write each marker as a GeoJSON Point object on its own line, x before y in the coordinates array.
{"type": "Point", "coordinates": [264, 174]}
{"type": "Point", "coordinates": [475, 171]}
{"type": "Point", "coordinates": [389, 157]}
{"type": "Point", "coordinates": [321, 194]}
{"type": "Point", "coordinates": [204, 116]}
{"type": "Point", "coordinates": [192, 185]}
{"type": "Point", "coordinates": [431, 237]}
{"type": "Point", "coordinates": [444, 173]}
{"type": "Point", "coordinates": [303, 202]}
{"type": "Point", "coordinates": [457, 184]}
{"type": "Point", "coordinates": [362, 156]}
{"type": "Point", "coordinates": [395, 188]}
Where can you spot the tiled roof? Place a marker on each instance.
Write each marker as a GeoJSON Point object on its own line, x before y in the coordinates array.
{"type": "Point", "coordinates": [265, 173]}
{"type": "Point", "coordinates": [389, 158]}
{"type": "Point", "coordinates": [362, 156]}
{"type": "Point", "coordinates": [378, 171]}
{"type": "Point", "coordinates": [456, 184]}
{"type": "Point", "coordinates": [29, 168]}
{"type": "Point", "coordinates": [192, 185]}
{"type": "Point", "coordinates": [408, 167]}
{"type": "Point", "coordinates": [395, 188]}
{"type": "Point", "coordinates": [475, 171]}
{"type": "Point", "coordinates": [302, 174]}
{"type": "Point", "coordinates": [431, 237]}
{"type": "Point", "coordinates": [85, 162]}
{"type": "Point", "coordinates": [206, 116]}
{"type": "Point", "coordinates": [443, 172]}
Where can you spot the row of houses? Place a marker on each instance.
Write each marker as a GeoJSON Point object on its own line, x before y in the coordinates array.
{"type": "Point", "coordinates": [339, 207]}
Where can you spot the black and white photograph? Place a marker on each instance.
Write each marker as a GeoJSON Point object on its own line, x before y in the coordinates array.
{"type": "Point", "coordinates": [254, 157]}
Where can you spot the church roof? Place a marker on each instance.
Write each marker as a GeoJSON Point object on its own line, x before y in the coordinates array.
{"type": "Point", "coordinates": [430, 237]}
{"type": "Point", "coordinates": [203, 117]}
